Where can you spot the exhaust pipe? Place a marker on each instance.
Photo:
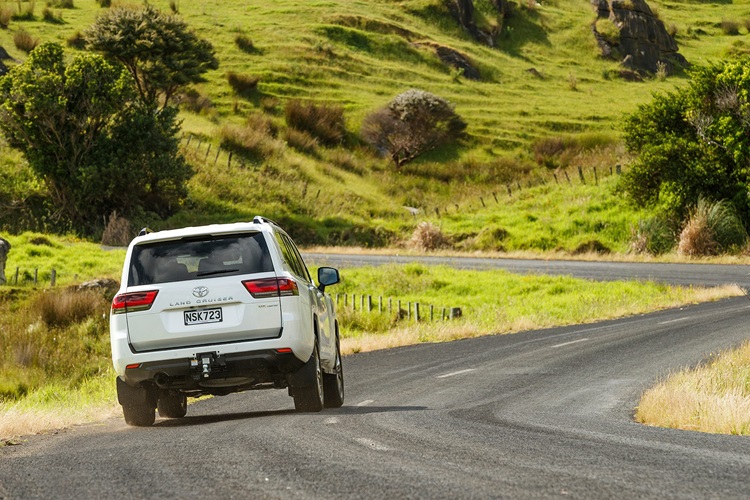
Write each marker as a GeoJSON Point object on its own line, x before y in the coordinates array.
{"type": "Point", "coordinates": [162, 381]}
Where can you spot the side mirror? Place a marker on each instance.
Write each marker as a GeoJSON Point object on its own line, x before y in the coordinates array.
{"type": "Point", "coordinates": [327, 276]}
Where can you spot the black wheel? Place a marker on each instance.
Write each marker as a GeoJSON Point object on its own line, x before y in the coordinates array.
{"type": "Point", "coordinates": [139, 415]}
{"type": "Point", "coordinates": [310, 397]}
{"type": "Point", "coordinates": [172, 405]}
{"type": "Point", "coordinates": [333, 383]}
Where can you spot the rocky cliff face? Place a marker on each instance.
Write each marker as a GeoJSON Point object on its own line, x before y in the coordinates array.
{"type": "Point", "coordinates": [643, 40]}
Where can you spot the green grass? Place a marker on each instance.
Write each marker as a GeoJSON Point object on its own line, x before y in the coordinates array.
{"type": "Point", "coordinates": [74, 260]}
{"type": "Point", "coordinates": [496, 301]}
{"type": "Point", "coordinates": [359, 57]}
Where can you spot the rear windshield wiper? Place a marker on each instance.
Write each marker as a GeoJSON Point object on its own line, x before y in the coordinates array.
{"type": "Point", "coordinates": [218, 271]}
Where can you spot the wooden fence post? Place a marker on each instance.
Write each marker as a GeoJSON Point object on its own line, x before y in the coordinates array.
{"type": "Point", "coordinates": [580, 174]}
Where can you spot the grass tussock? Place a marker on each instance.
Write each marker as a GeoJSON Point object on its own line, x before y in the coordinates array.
{"type": "Point", "coordinates": [427, 237]}
{"type": "Point", "coordinates": [25, 12]}
{"type": "Point", "coordinates": [653, 236]}
{"type": "Point", "coordinates": [712, 228]}
{"type": "Point", "coordinates": [324, 122]}
{"type": "Point", "coordinates": [256, 139]}
{"type": "Point", "coordinates": [245, 44]}
{"type": "Point", "coordinates": [6, 14]}
{"type": "Point", "coordinates": [712, 398]}
{"type": "Point", "coordinates": [243, 85]}
{"type": "Point", "coordinates": [23, 40]}
{"type": "Point", "coordinates": [118, 231]}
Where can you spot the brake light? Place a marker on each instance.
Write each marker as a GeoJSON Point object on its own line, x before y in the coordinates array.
{"type": "Point", "coordinates": [271, 287]}
{"type": "Point", "coordinates": [133, 301]}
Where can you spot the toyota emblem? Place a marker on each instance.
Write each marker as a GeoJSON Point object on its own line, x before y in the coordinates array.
{"type": "Point", "coordinates": [200, 291]}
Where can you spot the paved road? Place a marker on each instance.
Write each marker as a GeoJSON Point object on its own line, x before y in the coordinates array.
{"type": "Point", "coordinates": [542, 414]}
{"type": "Point", "coordinates": [673, 274]}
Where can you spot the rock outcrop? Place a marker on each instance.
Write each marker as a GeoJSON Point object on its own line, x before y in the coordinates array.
{"type": "Point", "coordinates": [463, 13]}
{"type": "Point", "coordinates": [643, 44]}
{"type": "Point", "coordinates": [4, 249]}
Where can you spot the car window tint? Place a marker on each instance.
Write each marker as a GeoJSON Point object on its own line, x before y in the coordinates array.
{"type": "Point", "coordinates": [292, 257]}
{"type": "Point", "coordinates": [199, 258]}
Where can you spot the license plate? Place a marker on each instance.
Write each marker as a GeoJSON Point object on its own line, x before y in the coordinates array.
{"type": "Point", "coordinates": [202, 316]}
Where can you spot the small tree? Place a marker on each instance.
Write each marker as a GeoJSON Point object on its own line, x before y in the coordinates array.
{"type": "Point", "coordinates": [97, 148]}
{"type": "Point", "coordinates": [159, 50]}
{"type": "Point", "coordinates": [413, 123]}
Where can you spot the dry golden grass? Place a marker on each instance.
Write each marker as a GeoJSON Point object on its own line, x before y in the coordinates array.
{"type": "Point", "coordinates": [713, 398]}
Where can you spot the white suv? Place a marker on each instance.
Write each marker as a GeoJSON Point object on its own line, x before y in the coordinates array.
{"type": "Point", "coordinates": [220, 309]}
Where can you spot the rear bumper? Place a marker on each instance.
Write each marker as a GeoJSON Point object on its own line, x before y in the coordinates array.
{"type": "Point", "coordinates": [210, 371]}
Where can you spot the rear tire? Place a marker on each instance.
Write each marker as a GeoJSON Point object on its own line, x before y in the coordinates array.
{"type": "Point", "coordinates": [310, 397]}
{"type": "Point", "coordinates": [333, 383]}
{"type": "Point", "coordinates": [172, 405]}
{"type": "Point", "coordinates": [139, 415]}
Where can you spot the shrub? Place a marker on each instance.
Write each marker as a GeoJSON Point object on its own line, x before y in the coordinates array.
{"type": "Point", "coordinates": [24, 41]}
{"type": "Point", "coordinates": [61, 4]}
{"type": "Point", "coordinates": [413, 123]}
{"type": "Point", "coordinates": [661, 71]}
{"type": "Point", "coordinates": [104, 3]}
{"type": "Point", "coordinates": [654, 236]}
{"type": "Point", "coordinates": [712, 228]}
{"type": "Point", "coordinates": [428, 237]}
{"type": "Point", "coordinates": [322, 121]}
{"type": "Point", "coordinates": [244, 85]}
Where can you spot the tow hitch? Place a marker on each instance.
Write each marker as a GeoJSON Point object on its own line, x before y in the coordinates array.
{"type": "Point", "coordinates": [204, 364]}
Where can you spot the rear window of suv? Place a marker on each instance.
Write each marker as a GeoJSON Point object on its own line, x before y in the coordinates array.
{"type": "Point", "coordinates": [198, 258]}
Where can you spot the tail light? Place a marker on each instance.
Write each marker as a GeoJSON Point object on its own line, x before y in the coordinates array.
{"type": "Point", "coordinates": [133, 301]}
{"type": "Point", "coordinates": [271, 287]}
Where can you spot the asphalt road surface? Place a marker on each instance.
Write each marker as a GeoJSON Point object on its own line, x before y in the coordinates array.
{"type": "Point", "coordinates": [541, 414]}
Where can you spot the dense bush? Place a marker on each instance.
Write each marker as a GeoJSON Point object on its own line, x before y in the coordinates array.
{"type": "Point", "coordinates": [96, 148]}
{"type": "Point", "coordinates": [413, 123]}
{"type": "Point", "coordinates": [692, 142]}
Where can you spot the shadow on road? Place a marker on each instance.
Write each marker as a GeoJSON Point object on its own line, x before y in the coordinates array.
{"type": "Point", "coordinates": [220, 417]}
{"type": "Point", "coordinates": [227, 417]}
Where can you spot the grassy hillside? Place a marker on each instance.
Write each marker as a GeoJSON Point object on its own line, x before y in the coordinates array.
{"type": "Point", "coordinates": [545, 100]}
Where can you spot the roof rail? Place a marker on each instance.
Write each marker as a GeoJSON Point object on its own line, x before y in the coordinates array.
{"type": "Point", "coordinates": [259, 219]}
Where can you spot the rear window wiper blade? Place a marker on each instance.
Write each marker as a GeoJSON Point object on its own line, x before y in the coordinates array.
{"type": "Point", "coordinates": [218, 271]}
